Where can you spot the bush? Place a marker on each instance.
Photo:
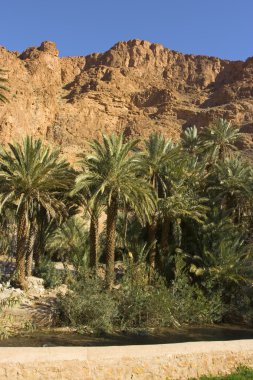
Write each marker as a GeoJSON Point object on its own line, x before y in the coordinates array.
{"type": "Point", "coordinates": [51, 276]}
{"type": "Point", "coordinates": [6, 302]}
{"type": "Point", "coordinates": [88, 306]}
{"type": "Point", "coordinates": [239, 307]}
{"type": "Point", "coordinates": [156, 305]}
{"type": "Point", "coordinates": [193, 305]}
{"type": "Point", "coordinates": [144, 306]}
{"type": "Point", "coordinates": [140, 302]}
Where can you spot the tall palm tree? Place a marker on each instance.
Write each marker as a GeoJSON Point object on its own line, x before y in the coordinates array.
{"type": "Point", "coordinates": [94, 206]}
{"type": "Point", "coordinates": [33, 178]}
{"type": "Point", "coordinates": [116, 175]}
{"type": "Point", "coordinates": [184, 203]}
{"type": "Point", "coordinates": [158, 152]}
{"type": "Point", "coordinates": [184, 177]}
{"type": "Point", "coordinates": [3, 88]}
{"type": "Point", "coordinates": [219, 140]}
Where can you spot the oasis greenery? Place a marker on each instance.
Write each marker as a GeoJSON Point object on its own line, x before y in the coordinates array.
{"type": "Point", "coordinates": [178, 221]}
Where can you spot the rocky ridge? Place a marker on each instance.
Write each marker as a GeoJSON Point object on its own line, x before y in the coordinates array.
{"type": "Point", "coordinates": [135, 87]}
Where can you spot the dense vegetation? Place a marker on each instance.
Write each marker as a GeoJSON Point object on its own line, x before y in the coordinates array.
{"type": "Point", "coordinates": [240, 374]}
{"type": "Point", "coordinates": [178, 221]}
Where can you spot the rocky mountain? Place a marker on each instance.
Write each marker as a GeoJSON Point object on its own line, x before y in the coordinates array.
{"type": "Point", "coordinates": [135, 87]}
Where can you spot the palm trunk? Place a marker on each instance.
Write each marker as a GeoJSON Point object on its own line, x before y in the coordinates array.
{"type": "Point", "coordinates": [30, 249]}
{"type": "Point", "coordinates": [39, 248]}
{"type": "Point", "coordinates": [40, 242]}
{"type": "Point", "coordinates": [125, 229]}
{"type": "Point", "coordinates": [36, 256]}
{"type": "Point", "coordinates": [164, 242]}
{"type": "Point", "coordinates": [94, 242]}
{"type": "Point", "coordinates": [112, 211]}
{"type": "Point", "coordinates": [177, 232]}
{"type": "Point", "coordinates": [22, 232]}
{"type": "Point", "coordinates": [151, 230]}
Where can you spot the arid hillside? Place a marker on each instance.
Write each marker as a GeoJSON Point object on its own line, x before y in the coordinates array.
{"type": "Point", "coordinates": [135, 87]}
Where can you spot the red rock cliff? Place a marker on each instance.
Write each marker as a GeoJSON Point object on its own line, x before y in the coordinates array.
{"type": "Point", "coordinates": [135, 87]}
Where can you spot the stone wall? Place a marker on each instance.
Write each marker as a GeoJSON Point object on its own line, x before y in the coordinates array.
{"type": "Point", "coordinates": [164, 362]}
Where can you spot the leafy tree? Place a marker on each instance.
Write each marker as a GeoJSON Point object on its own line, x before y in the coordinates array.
{"type": "Point", "coordinates": [32, 177]}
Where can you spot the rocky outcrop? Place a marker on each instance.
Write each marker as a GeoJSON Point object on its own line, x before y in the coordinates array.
{"type": "Point", "coordinates": [135, 87]}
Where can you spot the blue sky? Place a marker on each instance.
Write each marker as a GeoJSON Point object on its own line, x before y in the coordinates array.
{"type": "Point", "coordinates": [221, 28]}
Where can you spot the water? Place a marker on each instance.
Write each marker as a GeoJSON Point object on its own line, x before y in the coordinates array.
{"type": "Point", "coordinates": [190, 334]}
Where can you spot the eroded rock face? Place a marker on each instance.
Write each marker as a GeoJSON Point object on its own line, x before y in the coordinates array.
{"type": "Point", "coordinates": [135, 87]}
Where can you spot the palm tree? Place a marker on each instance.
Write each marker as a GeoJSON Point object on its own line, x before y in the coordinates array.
{"type": "Point", "coordinates": [184, 178]}
{"type": "Point", "coordinates": [230, 262]}
{"type": "Point", "coordinates": [183, 203]}
{"type": "Point", "coordinates": [114, 172]}
{"type": "Point", "coordinates": [158, 152]}
{"type": "Point", "coordinates": [70, 240]}
{"type": "Point", "coordinates": [33, 178]}
{"type": "Point", "coordinates": [219, 140]}
{"type": "Point", "coordinates": [84, 192]}
{"type": "Point", "coordinates": [231, 187]}
{"type": "Point", "coordinates": [44, 227]}
{"type": "Point", "coordinates": [191, 140]}
{"type": "Point", "coordinates": [3, 88]}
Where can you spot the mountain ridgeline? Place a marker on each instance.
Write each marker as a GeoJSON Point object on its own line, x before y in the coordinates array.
{"type": "Point", "coordinates": [136, 87]}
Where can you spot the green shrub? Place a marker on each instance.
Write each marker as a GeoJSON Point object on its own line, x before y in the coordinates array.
{"type": "Point", "coordinates": [240, 374]}
{"type": "Point", "coordinates": [148, 302]}
{"type": "Point", "coordinates": [6, 330]}
{"type": "Point", "coordinates": [144, 306]}
{"type": "Point", "coordinates": [89, 306]}
{"type": "Point", "coordinates": [192, 305]}
{"type": "Point", "coordinates": [141, 301]}
{"type": "Point", "coordinates": [52, 277]}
